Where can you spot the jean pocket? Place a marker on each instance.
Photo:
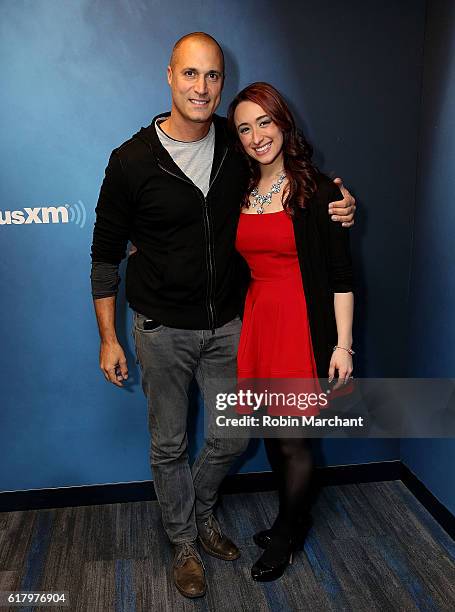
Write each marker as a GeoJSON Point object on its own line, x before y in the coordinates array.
{"type": "Point", "coordinates": [144, 325]}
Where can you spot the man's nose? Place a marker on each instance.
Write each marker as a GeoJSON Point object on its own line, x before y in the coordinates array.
{"type": "Point", "coordinates": [201, 86]}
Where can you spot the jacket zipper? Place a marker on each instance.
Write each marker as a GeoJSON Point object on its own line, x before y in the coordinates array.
{"type": "Point", "coordinates": [211, 258]}
{"type": "Point", "coordinates": [211, 271]}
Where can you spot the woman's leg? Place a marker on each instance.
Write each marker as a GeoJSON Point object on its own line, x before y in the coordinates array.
{"type": "Point", "coordinates": [291, 460]}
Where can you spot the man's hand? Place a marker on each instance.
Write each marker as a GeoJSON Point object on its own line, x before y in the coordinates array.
{"type": "Point", "coordinates": [113, 363]}
{"type": "Point", "coordinates": [343, 211]}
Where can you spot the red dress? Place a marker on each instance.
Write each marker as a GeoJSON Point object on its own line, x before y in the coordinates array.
{"type": "Point", "coordinates": [275, 342]}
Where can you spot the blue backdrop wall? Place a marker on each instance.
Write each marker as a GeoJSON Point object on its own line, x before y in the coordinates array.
{"type": "Point", "coordinates": [78, 79]}
{"type": "Point", "coordinates": [432, 297]}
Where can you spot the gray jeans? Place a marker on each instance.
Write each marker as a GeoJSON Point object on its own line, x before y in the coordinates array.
{"type": "Point", "coordinates": [170, 358]}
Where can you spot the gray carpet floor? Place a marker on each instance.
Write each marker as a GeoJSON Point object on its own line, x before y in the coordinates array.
{"type": "Point", "coordinates": [372, 547]}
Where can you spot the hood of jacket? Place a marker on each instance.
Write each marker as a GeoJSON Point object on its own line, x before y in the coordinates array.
{"type": "Point", "coordinates": [149, 136]}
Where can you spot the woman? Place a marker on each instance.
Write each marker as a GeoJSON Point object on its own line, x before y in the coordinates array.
{"type": "Point", "coordinates": [298, 312]}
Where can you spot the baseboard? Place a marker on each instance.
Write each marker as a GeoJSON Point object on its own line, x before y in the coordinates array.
{"type": "Point", "coordinates": [325, 476]}
{"type": "Point", "coordinates": [86, 495]}
{"type": "Point", "coordinates": [91, 495]}
{"type": "Point", "coordinates": [436, 508]}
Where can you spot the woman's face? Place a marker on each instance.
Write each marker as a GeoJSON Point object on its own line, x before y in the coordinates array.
{"type": "Point", "coordinates": [260, 136]}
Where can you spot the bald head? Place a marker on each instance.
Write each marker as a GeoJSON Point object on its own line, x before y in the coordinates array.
{"type": "Point", "coordinates": [200, 37]}
{"type": "Point", "coordinates": [196, 76]}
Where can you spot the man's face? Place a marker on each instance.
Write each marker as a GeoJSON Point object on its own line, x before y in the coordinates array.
{"type": "Point", "coordinates": [196, 80]}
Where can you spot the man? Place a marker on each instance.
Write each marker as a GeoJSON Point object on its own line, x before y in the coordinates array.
{"type": "Point", "coordinates": [174, 190]}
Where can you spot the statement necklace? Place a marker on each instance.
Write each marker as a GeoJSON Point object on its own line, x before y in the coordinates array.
{"type": "Point", "coordinates": [264, 200]}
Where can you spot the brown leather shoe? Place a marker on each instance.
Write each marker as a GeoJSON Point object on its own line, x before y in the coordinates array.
{"type": "Point", "coordinates": [188, 571]}
{"type": "Point", "coordinates": [214, 542]}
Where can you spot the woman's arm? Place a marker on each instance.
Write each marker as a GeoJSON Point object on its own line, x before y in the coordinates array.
{"type": "Point", "coordinates": [341, 358]}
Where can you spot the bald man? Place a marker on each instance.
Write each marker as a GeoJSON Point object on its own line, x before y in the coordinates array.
{"type": "Point", "coordinates": [174, 190]}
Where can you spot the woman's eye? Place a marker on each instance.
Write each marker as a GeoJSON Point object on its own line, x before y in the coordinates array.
{"type": "Point", "coordinates": [265, 122]}
{"type": "Point", "coordinates": [243, 130]}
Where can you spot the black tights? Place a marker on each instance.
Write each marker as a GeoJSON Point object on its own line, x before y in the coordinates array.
{"type": "Point", "coordinates": [292, 462]}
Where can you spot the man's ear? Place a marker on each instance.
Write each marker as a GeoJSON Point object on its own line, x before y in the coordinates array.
{"type": "Point", "coordinates": [169, 75]}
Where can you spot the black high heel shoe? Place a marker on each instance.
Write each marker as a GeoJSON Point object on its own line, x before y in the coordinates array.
{"type": "Point", "coordinates": [273, 562]}
{"type": "Point", "coordinates": [262, 538]}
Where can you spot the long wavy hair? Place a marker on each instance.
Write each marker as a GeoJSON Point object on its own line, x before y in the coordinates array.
{"type": "Point", "coordinates": [297, 152]}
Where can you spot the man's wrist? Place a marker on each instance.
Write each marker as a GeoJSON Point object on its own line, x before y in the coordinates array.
{"type": "Point", "coordinates": [109, 340]}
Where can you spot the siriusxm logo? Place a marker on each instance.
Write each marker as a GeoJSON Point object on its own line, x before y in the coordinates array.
{"type": "Point", "coordinates": [70, 213]}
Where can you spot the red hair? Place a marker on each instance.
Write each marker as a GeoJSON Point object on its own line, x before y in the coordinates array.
{"type": "Point", "coordinates": [297, 152]}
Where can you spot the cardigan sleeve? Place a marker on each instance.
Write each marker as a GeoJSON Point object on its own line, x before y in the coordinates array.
{"type": "Point", "coordinates": [338, 249]}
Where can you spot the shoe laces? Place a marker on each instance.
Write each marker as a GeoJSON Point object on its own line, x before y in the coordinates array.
{"type": "Point", "coordinates": [186, 551]}
{"type": "Point", "coordinates": [213, 524]}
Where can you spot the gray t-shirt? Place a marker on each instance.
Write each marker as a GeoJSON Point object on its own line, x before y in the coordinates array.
{"type": "Point", "coordinates": [193, 158]}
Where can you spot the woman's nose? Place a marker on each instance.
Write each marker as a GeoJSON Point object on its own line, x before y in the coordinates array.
{"type": "Point", "coordinates": [257, 137]}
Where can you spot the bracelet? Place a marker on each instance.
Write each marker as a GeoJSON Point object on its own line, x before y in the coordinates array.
{"type": "Point", "coordinates": [350, 351]}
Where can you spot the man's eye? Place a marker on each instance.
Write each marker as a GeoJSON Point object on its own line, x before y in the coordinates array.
{"type": "Point", "coordinates": [213, 76]}
{"type": "Point", "coordinates": [189, 73]}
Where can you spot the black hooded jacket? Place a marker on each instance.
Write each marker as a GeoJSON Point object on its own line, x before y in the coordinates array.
{"type": "Point", "coordinates": [183, 273]}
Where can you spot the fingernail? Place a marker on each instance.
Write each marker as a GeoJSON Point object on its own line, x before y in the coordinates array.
{"type": "Point", "coordinates": [334, 218]}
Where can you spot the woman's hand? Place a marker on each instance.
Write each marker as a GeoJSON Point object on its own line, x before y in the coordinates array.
{"type": "Point", "coordinates": [342, 362]}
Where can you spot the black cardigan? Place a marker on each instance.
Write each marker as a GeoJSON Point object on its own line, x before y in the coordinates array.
{"type": "Point", "coordinates": [325, 265]}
